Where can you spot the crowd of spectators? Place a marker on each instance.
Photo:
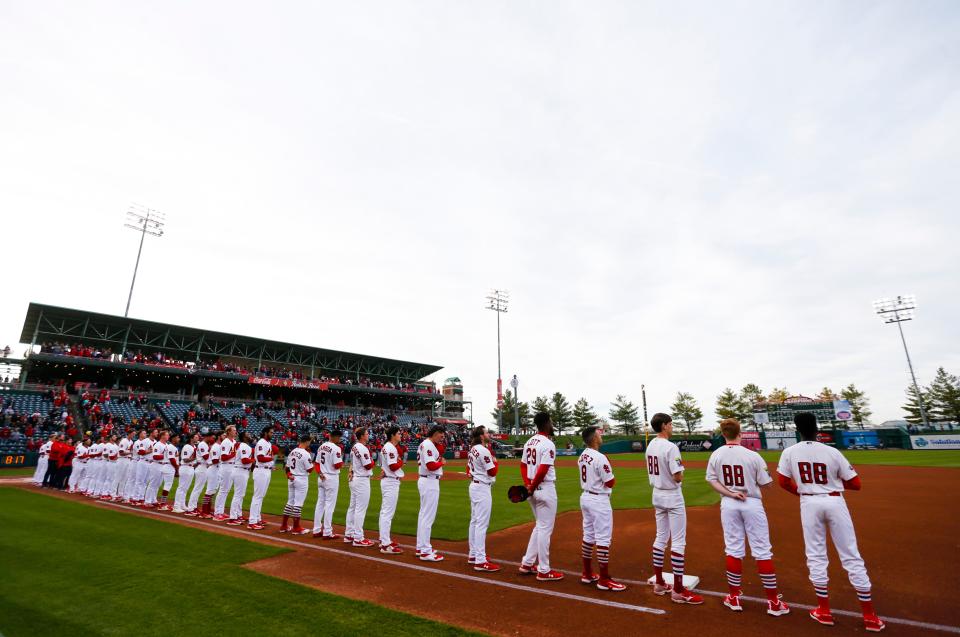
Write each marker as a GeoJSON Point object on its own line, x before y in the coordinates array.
{"type": "Point", "coordinates": [27, 431]}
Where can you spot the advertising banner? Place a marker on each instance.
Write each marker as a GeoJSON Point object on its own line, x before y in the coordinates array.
{"type": "Point", "coordinates": [935, 441]}
{"type": "Point", "coordinates": [750, 440]}
{"type": "Point", "coordinates": [780, 440]}
{"type": "Point", "coordinates": [825, 437]}
{"type": "Point", "coordinates": [860, 439]}
{"type": "Point", "coordinates": [693, 445]}
{"type": "Point", "coordinates": [843, 410]}
{"type": "Point", "coordinates": [287, 382]}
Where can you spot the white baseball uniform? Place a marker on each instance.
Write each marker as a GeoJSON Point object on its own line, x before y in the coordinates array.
{"type": "Point", "coordinates": [241, 478]}
{"type": "Point", "coordinates": [595, 473]}
{"type": "Point", "coordinates": [480, 464]}
{"type": "Point", "coordinates": [819, 471]}
{"type": "Point", "coordinates": [166, 468]}
{"type": "Point", "coordinates": [330, 459]}
{"type": "Point", "coordinates": [389, 489]}
{"type": "Point", "coordinates": [428, 484]}
{"type": "Point", "coordinates": [228, 453]}
{"type": "Point", "coordinates": [154, 473]}
{"type": "Point", "coordinates": [213, 469]}
{"type": "Point", "coordinates": [199, 475]}
{"type": "Point", "coordinates": [92, 474]}
{"type": "Point", "coordinates": [540, 451]}
{"type": "Point", "coordinates": [79, 467]}
{"type": "Point", "coordinates": [122, 473]}
{"type": "Point", "coordinates": [111, 452]}
{"type": "Point", "coordinates": [143, 450]}
{"type": "Point", "coordinates": [359, 490]}
{"type": "Point", "coordinates": [262, 471]}
{"type": "Point", "coordinates": [663, 460]}
{"type": "Point", "coordinates": [742, 470]}
{"type": "Point", "coordinates": [188, 469]}
{"type": "Point", "coordinates": [298, 464]}
{"type": "Point", "coordinates": [42, 463]}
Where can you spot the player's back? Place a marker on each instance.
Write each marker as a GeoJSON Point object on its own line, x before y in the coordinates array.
{"type": "Point", "coordinates": [663, 460]}
{"type": "Point", "coordinates": [595, 472]}
{"type": "Point", "coordinates": [739, 469]}
{"type": "Point", "coordinates": [816, 468]}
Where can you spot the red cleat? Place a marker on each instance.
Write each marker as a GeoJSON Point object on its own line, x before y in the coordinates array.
{"type": "Point", "coordinates": [362, 544]}
{"type": "Point", "coordinates": [549, 576]}
{"type": "Point", "coordinates": [589, 578]}
{"type": "Point", "coordinates": [235, 522]}
{"type": "Point", "coordinates": [527, 569]}
{"type": "Point", "coordinates": [822, 617]}
{"type": "Point", "coordinates": [299, 531]}
{"type": "Point", "coordinates": [777, 608]}
{"type": "Point", "coordinates": [873, 624]}
{"type": "Point", "coordinates": [332, 536]}
{"type": "Point", "coordinates": [733, 603]}
{"type": "Point", "coordinates": [192, 513]}
{"type": "Point", "coordinates": [685, 597]}
{"type": "Point", "coordinates": [486, 567]}
{"type": "Point", "coordinates": [610, 584]}
{"type": "Point", "coordinates": [255, 527]}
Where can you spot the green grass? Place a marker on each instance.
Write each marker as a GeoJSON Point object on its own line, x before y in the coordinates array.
{"type": "Point", "coordinates": [72, 569]}
{"type": "Point", "coordinates": [18, 471]}
{"type": "Point", "coordinates": [453, 512]}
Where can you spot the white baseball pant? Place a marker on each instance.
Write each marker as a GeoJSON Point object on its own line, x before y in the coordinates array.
{"type": "Point", "coordinates": [297, 491]}
{"type": "Point", "coordinates": [597, 519]}
{"type": "Point", "coordinates": [326, 502]}
{"type": "Point", "coordinates": [223, 490]}
{"type": "Point", "coordinates": [89, 476]}
{"type": "Point", "coordinates": [818, 514]}
{"type": "Point", "coordinates": [261, 483]}
{"type": "Point", "coordinates": [745, 519]}
{"type": "Point", "coordinates": [671, 515]}
{"type": "Point", "coordinates": [543, 503]}
{"type": "Point", "coordinates": [166, 473]}
{"type": "Point", "coordinates": [389, 493]}
{"type": "Point", "coordinates": [140, 480]}
{"type": "Point", "coordinates": [357, 511]}
{"type": "Point", "coordinates": [212, 482]}
{"type": "Point", "coordinates": [183, 485]}
{"type": "Point", "coordinates": [429, 489]}
{"type": "Point", "coordinates": [241, 477]}
{"type": "Point", "coordinates": [481, 505]}
{"type": "Point", "coordinates": [118, 488]}
{"type": "Point", "coordinates": [41, 470]}
{"type": "Point", "coordinates": [107, 473]}
{"type": "Point", "coordinates": [76, 476]}
{"type": "Point", "coordinates": [153, 483]}
{"type": "Point", "coordinates": [199, 484]}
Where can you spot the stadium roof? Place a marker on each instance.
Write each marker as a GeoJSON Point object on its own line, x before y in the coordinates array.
{"type": "Point", "coordinates": [60, 324]}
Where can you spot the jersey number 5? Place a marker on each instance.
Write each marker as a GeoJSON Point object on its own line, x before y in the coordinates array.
{"type": "Point", "coordinates": [653, 465]}
{"type": "Point", "coordinates": [812, 473]}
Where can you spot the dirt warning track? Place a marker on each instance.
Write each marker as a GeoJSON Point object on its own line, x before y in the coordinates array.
{"type": "Point", "coordinates": [907, 535]}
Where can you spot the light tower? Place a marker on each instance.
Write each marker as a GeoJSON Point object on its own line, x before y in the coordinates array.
{"type": "Point", "coordinates": [498, 300]}
{"type": "Point", "coordinates": [145, 221]}
{"type": "Point", "coordinates": [898, 310]}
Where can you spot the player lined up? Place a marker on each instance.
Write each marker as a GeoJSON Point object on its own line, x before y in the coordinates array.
{"type": "Point", "coordinates": [141, 472]}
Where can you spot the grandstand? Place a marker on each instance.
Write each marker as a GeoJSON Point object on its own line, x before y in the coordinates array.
{"type": "Point", "coordinates": [127, 373]}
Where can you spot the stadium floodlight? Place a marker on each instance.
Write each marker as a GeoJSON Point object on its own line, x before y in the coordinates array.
{"type": "Point", "coordinates": [898, 310]}
{"type": "Point", "coordinates": [146, 221]}
{"type": "Point", "coordinates": [498, 300]}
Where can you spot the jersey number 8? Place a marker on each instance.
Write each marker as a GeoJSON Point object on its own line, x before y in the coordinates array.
{"type": "Point", "coordinates": [653, 465]}
{"type": "Point", "coordinates": [732, 475]}
{"type": "Point", "coordinates": [812, 473]}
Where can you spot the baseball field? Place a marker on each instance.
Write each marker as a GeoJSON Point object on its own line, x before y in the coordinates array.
{"type": "Point", "coordinates": [73, 566]}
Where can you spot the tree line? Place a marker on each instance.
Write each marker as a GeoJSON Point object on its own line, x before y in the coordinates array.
{"type": "Point", "coordinates": [941, 399]}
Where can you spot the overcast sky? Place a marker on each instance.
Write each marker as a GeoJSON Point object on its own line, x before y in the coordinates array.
{"type": "Point", "coordinates": [688, 197]}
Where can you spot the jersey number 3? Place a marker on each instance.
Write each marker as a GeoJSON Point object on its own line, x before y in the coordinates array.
{"type": "Point", "coordinates": [812, 473]}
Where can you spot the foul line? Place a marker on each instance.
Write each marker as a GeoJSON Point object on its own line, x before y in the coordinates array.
{"type": "Point", "coordinates": [761, 600]}
{"type": "Point", "coordinates": [414, 567]}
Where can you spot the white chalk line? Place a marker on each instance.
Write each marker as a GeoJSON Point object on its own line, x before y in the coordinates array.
{"type": "Point", "coordinates": [407, 565]}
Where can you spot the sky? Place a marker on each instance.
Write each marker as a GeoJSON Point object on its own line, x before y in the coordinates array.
{"type": "Point", "coordinates": [686, 197]}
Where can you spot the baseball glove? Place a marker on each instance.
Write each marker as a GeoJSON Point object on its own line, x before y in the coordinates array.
{"type": "Point", "coordinates": [518, 493]}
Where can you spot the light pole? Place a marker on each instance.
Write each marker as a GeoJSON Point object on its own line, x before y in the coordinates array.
{"type": "Point", "coordinates": [497, 301]}
{"type": "Point", "coordinates": [515, 382]}
{"type": "Point", "coordinates": [897, 311]}
{"type": "Point", "coordinates": [145, 221]}
{"type": "Point", "coordinates": [643, 393]}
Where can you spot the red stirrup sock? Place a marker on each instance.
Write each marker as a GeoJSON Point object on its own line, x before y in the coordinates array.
{"type": "Point", "coordinates": [734, 574]}
{"type": "Point", "coordinates": [769, 579]}
{"type": "Point", "coordinates": [658, 565]}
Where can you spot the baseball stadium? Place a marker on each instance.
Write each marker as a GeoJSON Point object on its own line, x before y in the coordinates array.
{"type": "Point", "coordinates": [93, 378]}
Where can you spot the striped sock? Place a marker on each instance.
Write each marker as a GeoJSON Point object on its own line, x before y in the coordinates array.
{"type": "Point", "coordinates": [735, 574]}
{"type": "Point", "coordinates": [677, 562]}
{"type": "Point", "coordinates": [866, 602]}
{"type": "Point", "coordinates": [823, 596]}
{"type": "Point", "coordinates": [603, 557]}
{"type": "Point", "coordinates": [658, 565]}
{"type": "Point", "coordinates": [768, 577]}
{"type": "Point", "coordinates": [586, 552]}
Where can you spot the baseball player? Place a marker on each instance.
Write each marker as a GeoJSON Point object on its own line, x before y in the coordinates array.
{"type": "Point", "coordinates": [263, 453]}
{"type": "Point", "coordinates": [200, 473]}
{"type": "Point", "coordinates": [665, 473]}
{"type": "Point", "coordinates": [79, 465]}
{"type": "Point", "coordinates": [135, 471]}
{"type": "Point", "coordinates": [819, 475]}
{"type": "Point", "coordinates": [212, 478]}
{"type": "Point", "coordinates": [119, 487]}
{"type": "Point", "coordinates": [738, 474]}
{"type": "Point", "coordinates": [144, 467]}
{"type": "Point", "coordinates": [328, 462]}
{"type": "Point", "coordinates": [167, 467]}
{"type": "Point", "coordinates": [298, 468]}
{"type": "Point", "coordinates": [111, 453]}
{"type": "Point", "coordinates": [596, 481]}
{"type": "Point", "coordinates": [361, 468]}
{"type": "Point", "coordinates": [228, 458]}
{"type": "Point", "coordinates": [158, 451]}
{"type": "Point", "coordinates": [188, 468]}
{"type": "Point", "coordinates": [539, 476]}
{"type": "Point", "coordinates": [430, 464]}
{"type": "Point", "coordinates": [391, 462]}
{"type": "Point", "coordinates": [92, 475]}
{"type": "Point", "coordinates": [241, 478]}
{"type": "Point", "coordinates": [482, 468]}
{"type": "Point", "coordinates": [42, 461]}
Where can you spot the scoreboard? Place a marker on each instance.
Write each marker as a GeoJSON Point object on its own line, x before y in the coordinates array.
{"type": "Point", "coordinates": [9, 460]}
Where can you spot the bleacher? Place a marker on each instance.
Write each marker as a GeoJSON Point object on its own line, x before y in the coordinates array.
{"type": "Point", "coordinates": [17, 403]}
{"type": "Point", "coordinates": [174, 411]}
{"type": "Point", "coordinates": [27, 404]}
{"type": "Point", "coordinates": [126, 410]}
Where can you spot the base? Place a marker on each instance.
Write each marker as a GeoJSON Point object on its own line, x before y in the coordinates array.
{"type": "Point", "coordinates": [689, 581]}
